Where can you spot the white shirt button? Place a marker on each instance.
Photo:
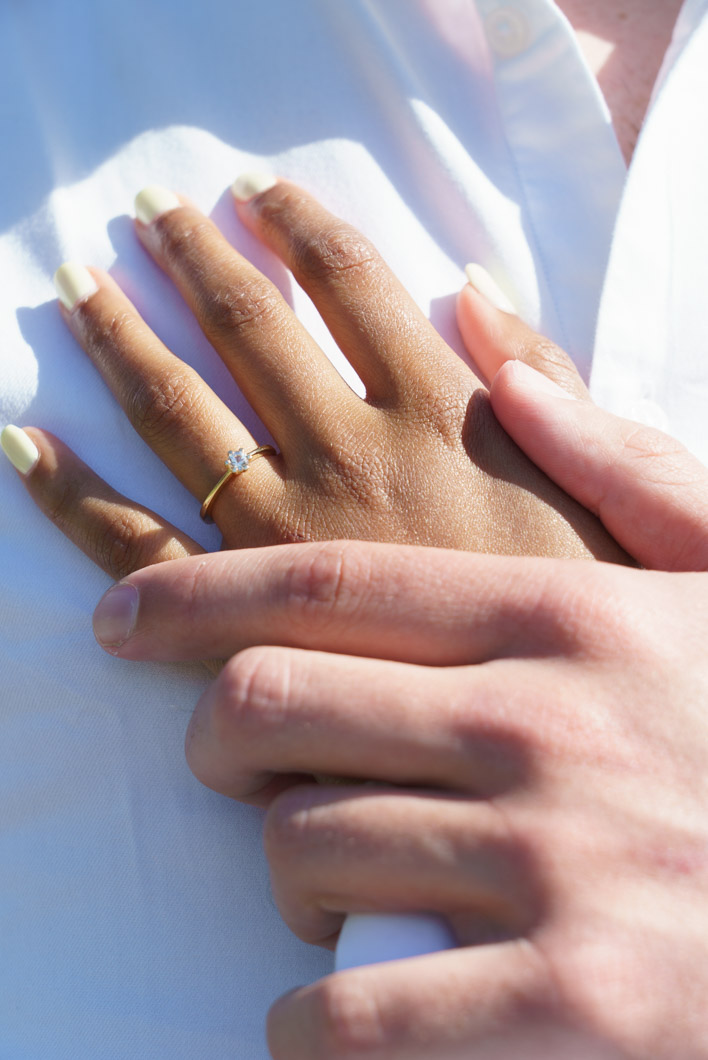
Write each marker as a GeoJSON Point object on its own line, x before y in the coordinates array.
{"type": "Point", "coordinates": [649, 413]}
{"type": "Point", "coordinates": [507, 31]}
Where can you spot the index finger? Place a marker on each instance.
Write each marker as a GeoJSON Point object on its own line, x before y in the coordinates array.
{"type": "Point", "coordinates": [404, 602]}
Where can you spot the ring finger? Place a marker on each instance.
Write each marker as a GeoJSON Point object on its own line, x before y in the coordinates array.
{"type": "Point", "coordinates": [167, 402]}
{"type": "Point", "coordinates": [118, 534]}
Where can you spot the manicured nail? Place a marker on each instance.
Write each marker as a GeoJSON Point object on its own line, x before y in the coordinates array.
{"type": "Point", "coordinates": [19, 448]}
{"type": "Point", "coordinates": [530, 379]}
{"type": "Point", "coordinates": [249, 185]}
{"type": "Point", "coordinates": [488, 288]}
{"type": "Point", "coordinates": [153, 201]}
{"type": "Point", "coordinates": [74, 284]}
{"type": "Point", "coordinates": [114, 618]}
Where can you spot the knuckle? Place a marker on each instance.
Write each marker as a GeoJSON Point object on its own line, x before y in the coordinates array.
{"type": "Point", "coordinates": [589, 615]}
{"type": "Point", "coordinates": [662, 464]}
{"type": "Point", "coordinates": [106, 333]}
{"type": "Point", "coordinates": [324, 580]}
{"type": "Point", "coordinates": [347, 1020]}
{"type": "Point", "coordinates": [118, 328]}
{"type": "Point", "coordinates": [564, 613]}
{"type": "Point", "coordinates": [233, 307]}
{"type": "Point", "coordinates": [446, 410]}
{"type": "Point", "coordinates": [287, 827]}
{"type": "Point", "coordinates": [183, 237]}
{"type": "Point", "coordinates": [157, 403]}
{"type": "Point", "coordinates": [61, 500]}
{"type": "Point", "coordinates": [553, 362]}
{"type": "Point", "coordinates": [113, 538]}
{"type": "Point", "coordinates": [118, 546]}
{"type": "Point", "coordinates": [552, 615]}
{"type": "Point", "coordinates": [337, 251]}
{"type": "Point", "coordinates": [195, 582]}
{"type": "Point", "coordinates": [315, 577]}
{"type": "Point", "coordinates": [356, 474]}
{"type": "Point", "coordinates": [254, 687]}
{"type": "Point", "coordinates": [666, 455]}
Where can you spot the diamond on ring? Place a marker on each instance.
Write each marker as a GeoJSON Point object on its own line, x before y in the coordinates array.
{"type": "Point", "coordinates": [237, 460]}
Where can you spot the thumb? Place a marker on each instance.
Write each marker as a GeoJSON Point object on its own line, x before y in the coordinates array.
{"type": "Point", "coordinates": [650, 493]}
{"type": "Point", "coordinates": [494, 334]}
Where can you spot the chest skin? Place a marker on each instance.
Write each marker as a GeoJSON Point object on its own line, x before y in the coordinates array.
{"type": "Point", "coordinates": [624, 43]}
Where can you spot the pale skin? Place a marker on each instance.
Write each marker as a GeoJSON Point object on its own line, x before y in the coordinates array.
{"type": "Point", "coordinates": [534, 728]}
{"type": "Point", "coordinates": [540, 837]}
{"type": "Point", "coordinates": [537, 735]}
{"type": "Point", "coordinates": [624, 44]}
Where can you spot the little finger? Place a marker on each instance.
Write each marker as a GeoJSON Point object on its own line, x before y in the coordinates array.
{"type": "Point", "coordinates": [117, 534]}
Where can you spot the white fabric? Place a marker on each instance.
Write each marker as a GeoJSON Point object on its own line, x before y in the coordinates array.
{"type": "Point", "coordinates": [370, 938]}
{"type": "Point", "coordinates": [135, 914]}
{"type": "Point", "coordinates": [652, 339]}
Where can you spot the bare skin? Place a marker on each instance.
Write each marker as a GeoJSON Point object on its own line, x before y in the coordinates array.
{"type": "Point", "coordinates": [422, 460]}
{"type": "Point", "coordinates": [624, 44]}
{"type": "Point", "coordinates": [531, 826]}
{"type": "Point", "coordinates": [536, 735]}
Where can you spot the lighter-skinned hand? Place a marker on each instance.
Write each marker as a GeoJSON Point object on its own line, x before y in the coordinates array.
{"type": "Point", "coordinates": [536, 732]}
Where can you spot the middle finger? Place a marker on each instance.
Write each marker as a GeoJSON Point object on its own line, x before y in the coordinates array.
{"type": "Point", "coordinates": [374, 320]}
{"type": "Point", "coordinates": [272, 711]}
{"type": "Point", "coordinates": [280, 369]}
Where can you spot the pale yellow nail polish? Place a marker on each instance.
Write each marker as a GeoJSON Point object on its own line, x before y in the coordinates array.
{"type": "Point", "coordinates": [153, 201]}
{"type": "Point", "coordinates": [488, 288]}
{"type": "Point", "coordinates": [248, 185]}
{"type": "Point", "coordinates": [19, 448]}
{"type": "Point", "coordinates": [74, 284]}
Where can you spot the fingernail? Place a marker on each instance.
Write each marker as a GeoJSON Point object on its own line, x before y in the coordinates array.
{"type": "Point", "coordinates": [530, 379]}
{"type": "Point", "coordinates": [19, 448]}
{"type": "Point", "coordinates": [488, 288]}
{"type": "Point", "coordinates": [249, 185]}
{"type": "Point", "coordinates": [114, 618]}
{"type": "Point", "coordinates": [153, 201]}
{"type": "Point", "coordinates": [74, 284]}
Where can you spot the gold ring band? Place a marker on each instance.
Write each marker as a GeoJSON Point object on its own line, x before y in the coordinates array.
{"type": "Point", "coordinates": [237, 462]}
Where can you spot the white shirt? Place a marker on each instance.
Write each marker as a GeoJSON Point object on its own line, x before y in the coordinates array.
{"type": "Point", "coordinates": [135, 912]}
